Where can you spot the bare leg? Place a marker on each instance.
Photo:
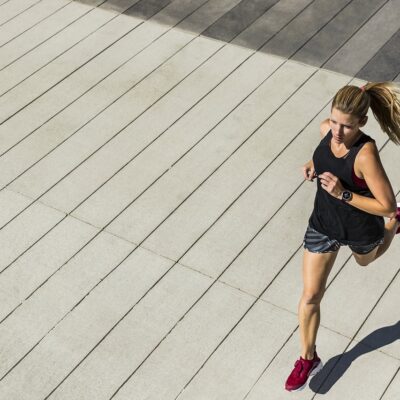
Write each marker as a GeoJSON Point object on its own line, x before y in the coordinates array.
{"type": "Point", "coordinates": [316, 268]}
{"type": "Point", "coordinates": [390, 231]}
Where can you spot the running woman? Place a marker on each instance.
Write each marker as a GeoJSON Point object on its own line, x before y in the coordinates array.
{"type": "Point", "coordinates": [353, 197]}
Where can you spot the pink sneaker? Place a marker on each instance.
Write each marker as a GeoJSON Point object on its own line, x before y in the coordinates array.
{"type": "Point", "coordinates": [303, 370]}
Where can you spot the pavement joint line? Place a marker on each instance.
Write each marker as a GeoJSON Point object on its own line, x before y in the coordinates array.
{"type": "Point", "coordinates": [4, 2]}
{"type": "Point", "coordinates": [70, 73]}
{"type": "Point", "coordinates": [51, 36]}
{"type": "Point", "coordinates": [101, 80]}
{"type": "Point", "coordinates": [21, 12]}
{"type": "Point", "coordinates": [389, 384]}
{"type": "Point", "coordinates": [37, 23]}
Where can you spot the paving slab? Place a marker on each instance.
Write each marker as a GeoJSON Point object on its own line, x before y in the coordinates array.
{"type": "Point", "coordinates": [29, 40]}
{"type": "Point", "coordinates": [393, 391]}
{"type": "Point", "coordinates": [384, 65]}
{"type": "Point", "coordinates": [269, 23]}
{"type": "Point", "coordinates": [142, 324]}
{"type": "Point", "coordinates": [105, 34]}
{"type": "Point", "coordinates": [242, 357]}
{"type": "Point", "coordinates": [29, 19]}
{"type": "Point", "coordinates": [94, 87]}
{"type": "Point", "coordinates": [198, 122]}
{"type": "Point", "coordinates": [32, 321]}
{"type": "Point", "coordinates": [172, 125]}
{"type": "Point", "coordinates": [11, 204]}
{"type": "Point", "coordinates": [115, 118]}
{"type": "Point", "coordinates": [228, 237]}
{"type": "Point", "coordinates": [173, 358]}
{"type": "Point", "coordinates": [229, 180]}
{"type": "Point", "coordinates": [24, 230]}
{"type": "Point", "coordinates": [355, 365]}
{"type": "Point", "coordinates": [294, 35]}
{"type": "Point", "coordinates": [102, 166]}
{"type": "Point", "coordinates": [12, 9]}
{"type": "Point", "coordinates": [41, 261]}
{"type": "Point", "coordinates": [331, 37]}
{"type": "Point", "coordinates": [191, 170]}
{"type": "Point", "coordinates": [238, 19]}
{"type": "Point", "coordinates": [362, 46]}
{"type": "Point", "coordinates": [381, 330]}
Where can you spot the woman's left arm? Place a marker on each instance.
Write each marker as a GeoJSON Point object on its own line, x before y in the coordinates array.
{"type": "Point", "coordinates": [370, 165]}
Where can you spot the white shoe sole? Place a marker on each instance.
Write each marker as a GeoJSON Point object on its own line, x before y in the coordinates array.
{"type": "Point", "coordinates": [313, 373]}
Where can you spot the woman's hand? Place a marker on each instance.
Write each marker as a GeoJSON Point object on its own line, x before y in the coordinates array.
{"type": "Point", "coordinates": [309, 171]}
{"type": "Point", "coordinates": [331, 184]}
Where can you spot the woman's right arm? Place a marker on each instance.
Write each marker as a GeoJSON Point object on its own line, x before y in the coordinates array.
{"type": "Point", "coordinates": [308, 167]}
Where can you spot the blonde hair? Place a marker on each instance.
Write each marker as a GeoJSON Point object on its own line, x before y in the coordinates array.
{"type": "Point", "coordinates": [382, 97]}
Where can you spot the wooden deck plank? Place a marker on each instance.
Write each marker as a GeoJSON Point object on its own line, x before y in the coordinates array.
{"type": "Point", "coordinates": [367, 41]}
{"type": "Point", "coordinates": [140, 62]}
{"type": "Point", "coordinates": [74, 337]}
{"type": "Point", "coordinates": [29, 40]}
{"type": "Point", "coordinates": [385, 64]}
{"type": "Point", "coordinates": [119, 115]}
{"type": "Point", "coordinates": [40, 262]}
{"type": "Point", "coordinates": [33, 320]}
{"type": "Point", "coordinates": [193, 168]}
{"type": "Point", "coordinates": [324, 44]}
{"type": "Point", "coordinates": [12, 9]}
{"type": "Point", "coordinates": [100, 31]}
{"type": "Point", "coordinates": [25, 230]}
{"type": "Point", "coordinates": [30, 18]}
{"type": "Point", "coordinates": [303, 27]}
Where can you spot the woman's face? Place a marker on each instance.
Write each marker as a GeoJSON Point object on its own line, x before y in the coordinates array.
{"type": "Point", "coordinates": [345, 127]}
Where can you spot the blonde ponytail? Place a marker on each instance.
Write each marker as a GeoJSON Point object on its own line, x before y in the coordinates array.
{"type": "Point", "coordinates": [382, 97]}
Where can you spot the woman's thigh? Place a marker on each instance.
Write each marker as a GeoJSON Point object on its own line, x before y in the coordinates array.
{"type": "Point", "coordinates": [316, 269]}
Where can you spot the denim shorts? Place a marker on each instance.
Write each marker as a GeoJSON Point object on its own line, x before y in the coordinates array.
{"type": "Point", "coordinates": [316, 242]}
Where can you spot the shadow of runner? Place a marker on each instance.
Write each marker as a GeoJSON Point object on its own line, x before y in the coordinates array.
{"type": "Point", "coordinates": [337, 366]}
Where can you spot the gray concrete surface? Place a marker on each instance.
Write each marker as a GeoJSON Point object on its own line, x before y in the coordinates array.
{"type": "Point", "coordinates": [152, 206]}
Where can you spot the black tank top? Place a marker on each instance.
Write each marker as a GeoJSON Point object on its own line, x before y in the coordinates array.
{"type": "Point", "coordinates": [333, 217]}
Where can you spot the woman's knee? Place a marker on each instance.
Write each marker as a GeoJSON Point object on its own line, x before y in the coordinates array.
{"type": "Point", "coordinates": [312, 298]}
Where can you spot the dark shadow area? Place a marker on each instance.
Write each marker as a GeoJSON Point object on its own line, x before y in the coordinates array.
{"type": "Point", "coordinates": [314, 32]}
{"type": "Point", "coordinates": [337, 366]}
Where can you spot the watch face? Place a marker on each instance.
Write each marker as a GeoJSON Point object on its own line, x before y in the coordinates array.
{"type": "Point", "coordinates": [346, 195]}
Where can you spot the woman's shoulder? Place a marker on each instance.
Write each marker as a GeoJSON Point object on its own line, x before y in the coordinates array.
{"type": "Point", "coordinates": [324, 127]}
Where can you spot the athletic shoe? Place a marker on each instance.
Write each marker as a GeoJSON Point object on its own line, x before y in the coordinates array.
{"type": "Point", "coordinates": [303, 370]}
{"type": "Point", "coordinates": [398, 217]}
